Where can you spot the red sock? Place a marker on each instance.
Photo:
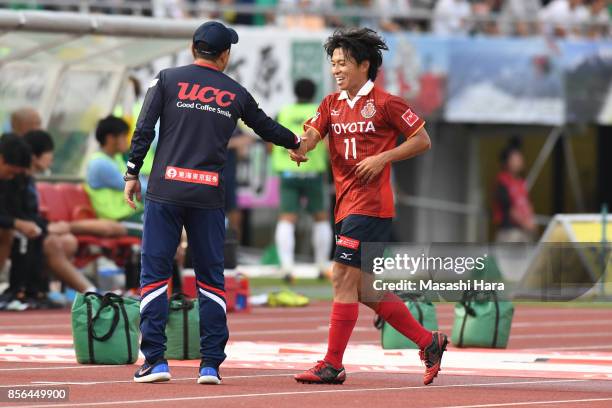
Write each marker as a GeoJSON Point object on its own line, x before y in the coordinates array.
{"type": "Point", "coordinates": [393, 310]}
{"type": "Point", "coordinates": [341, 325]}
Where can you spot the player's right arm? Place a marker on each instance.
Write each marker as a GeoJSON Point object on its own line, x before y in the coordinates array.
{"type": "Point", "coordinates": [310, 138]}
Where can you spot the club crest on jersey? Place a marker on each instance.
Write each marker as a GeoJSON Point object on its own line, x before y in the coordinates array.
{"type": "Point", "coordinates": [368, 110]}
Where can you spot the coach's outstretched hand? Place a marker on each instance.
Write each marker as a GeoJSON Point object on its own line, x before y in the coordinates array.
{"type": "Point", "coordinates": [132, 187]}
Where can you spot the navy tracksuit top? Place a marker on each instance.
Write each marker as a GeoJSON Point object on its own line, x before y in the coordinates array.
{"type": "Point", "coordinates": [198, 107]}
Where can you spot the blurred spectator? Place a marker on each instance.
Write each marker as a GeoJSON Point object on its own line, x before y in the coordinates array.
{"type": "Point", "coordinates": [563, 18]}
{"type": "Point", "coordinates": [232, 16]}
{"type": "Point", "coordinates": [599, 15]}
{"type": "Point", "coordinates": [337, 21]}
{"type": "Point", "coordinates": [105, 170]}
{"type": "Point", "coordinates": [168, 8]}
{"type": "Point", "coordinates": [59, 245]}
{"type": "Point", "coordinates": [517, 17]}
{"type": "Point", "coordinates": [236, 148]}
{"type": "Point", "coordinates": [484, 12]}
{"type": "Point", "coordinates": [15, 159]}
{"type": "Point", "coordinates": [301, 16]}
{"type": "Point", "coordinates": [450, 17]}
{"type": "Point", "coordinates": [42, 147]}
{"type": "Point", "coordinates": [33, 243]}
{"type": "Point", "coordinates": [512, 210]}
{"type": "Point", "coordinates": [268, 17]}
{"type": "Point", "coordinates": [390, 9]}
{"type": "Point", "coordinates": [304, 183]}
{"type": "Point", "coordinates": [25, 119]}
{"type": "Point", "coordinates": [227, 15]}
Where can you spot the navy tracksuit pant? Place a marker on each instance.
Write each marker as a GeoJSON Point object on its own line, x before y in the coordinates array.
{"type": "Point", "coordinates": [205, 228]}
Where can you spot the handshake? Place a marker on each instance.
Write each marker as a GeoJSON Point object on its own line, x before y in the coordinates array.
{"type": "Point", "coordinates": [299, 155]}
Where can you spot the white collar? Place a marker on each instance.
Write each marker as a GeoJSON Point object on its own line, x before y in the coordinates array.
{"type": "Point", "coordinates": [365, 90]}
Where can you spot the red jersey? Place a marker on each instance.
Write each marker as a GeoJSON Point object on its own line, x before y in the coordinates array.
{"type": "Point", "coordinates": [360, 128]}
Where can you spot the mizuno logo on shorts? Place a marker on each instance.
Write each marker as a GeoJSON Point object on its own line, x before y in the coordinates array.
{"type": "Point", "coordinates": [346, 256]}
{"type": "Point", "coordinates": [347, 242]}
{"type": "Point", "coordinates": [192, 176]}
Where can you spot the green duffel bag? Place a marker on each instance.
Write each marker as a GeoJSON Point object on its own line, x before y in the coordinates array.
{"type": "Point", "coordinates": [105, 328]}
{"type": "Point", "coordinates": [422, 310]}
{"type": "Point", "coordinates": [183, 329]}
{"type": "Point", "coordinates": [481, 320]}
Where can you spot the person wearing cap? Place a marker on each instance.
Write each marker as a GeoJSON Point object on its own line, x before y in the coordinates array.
{"type": "Point", "coordinates": [197, 106]}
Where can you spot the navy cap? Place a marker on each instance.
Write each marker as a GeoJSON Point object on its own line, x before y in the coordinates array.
{"type": "Point", "coordinates": [216, 35]}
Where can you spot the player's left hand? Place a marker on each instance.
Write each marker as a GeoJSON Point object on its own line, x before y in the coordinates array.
{"type": "Point", "coordinates": [369, 168]}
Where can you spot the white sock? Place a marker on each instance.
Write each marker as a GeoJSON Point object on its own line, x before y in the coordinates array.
{"type": "Point", "coordinates": [321, 243]}
{"type": "Point", "coordinates": [91, 289]}
{"type": "Point", "coordinates": [285, 244]}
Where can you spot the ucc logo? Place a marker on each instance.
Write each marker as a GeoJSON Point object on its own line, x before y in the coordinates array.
{"type": "Point", "coordinates": [205, 94]}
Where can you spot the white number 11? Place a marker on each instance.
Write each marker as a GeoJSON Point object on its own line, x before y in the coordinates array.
{"type": "Point", "coordinates": [347, 143]}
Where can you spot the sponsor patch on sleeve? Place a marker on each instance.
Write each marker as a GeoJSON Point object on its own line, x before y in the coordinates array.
{"type": "Point", "coordinates": [315, 117]}
{"type": "Point", "coordinates": [347, 242]}
{"type": "Point", "coordinates": [209, 178]}
{"type": "Point", "coordinates": [410, 117]}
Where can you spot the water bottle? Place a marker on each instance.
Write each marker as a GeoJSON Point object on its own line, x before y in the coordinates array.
{"type": "Point", "coordinates": [110, 276]}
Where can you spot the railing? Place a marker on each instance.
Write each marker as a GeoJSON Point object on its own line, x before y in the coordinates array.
{"type": "Point", "coordinates": [212, 9]}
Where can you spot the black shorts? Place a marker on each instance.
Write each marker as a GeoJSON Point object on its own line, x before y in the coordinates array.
{"type": "Point", "coordinates": [355, 230]}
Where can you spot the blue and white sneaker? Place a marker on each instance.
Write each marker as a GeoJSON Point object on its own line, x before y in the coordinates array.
{"type": "Point", "coordinates": [209, 375]}
{"type": "Point", "coordinates": [150, 373]}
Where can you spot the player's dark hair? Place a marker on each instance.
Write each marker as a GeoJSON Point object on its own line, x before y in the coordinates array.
{"type": "Point", "coordinates": [39, 141]}
{"type": "Point", "coordinates": [361, 45]}
{"type": "Point", "coordinates": [304, 89]}
{"type": "Point", "coordinates": [514, 145]}
{"type": "Point", "coordinates": [15, 151]}
{"type": "Point", "coordinates": [110, 126]}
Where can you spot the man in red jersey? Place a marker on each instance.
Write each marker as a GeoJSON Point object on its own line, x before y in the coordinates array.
{"type": "Point", "coordinates": [363, 122]}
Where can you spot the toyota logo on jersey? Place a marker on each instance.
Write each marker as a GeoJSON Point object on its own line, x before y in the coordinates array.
{"type": "Point", "coordinates": [353, 127]}
{"type": "Point", "coordinates": [205, 94]}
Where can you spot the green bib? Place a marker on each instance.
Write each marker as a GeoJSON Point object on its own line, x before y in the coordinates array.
{"type": "Point", "coordinates": [293, 117]}
{"type": "Point", "coordinates": [109, 203]}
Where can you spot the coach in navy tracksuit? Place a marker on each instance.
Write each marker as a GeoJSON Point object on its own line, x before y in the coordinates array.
{"type": "Point", "coordinates": [198, 107]}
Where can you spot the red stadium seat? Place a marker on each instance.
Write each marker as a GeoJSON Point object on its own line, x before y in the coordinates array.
{"type": "Point", "coordinates": [56, 204]}
{"type": "Point", "coordinates": [52, 204]}
{"type": "Point", "coordinates": [70, 202]}
{"type": "Point", "coordinates": [77, 200]}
